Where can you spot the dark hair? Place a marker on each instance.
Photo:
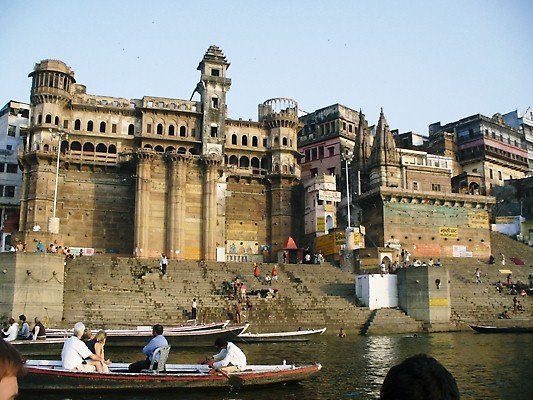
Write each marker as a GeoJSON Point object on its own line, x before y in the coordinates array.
{"type": "Point", "coordinates": [11, 362]}
{"type": "Point", "coordinates": [220, 342]}
{"type": "Point", "coordinates": [158, 329]}
{"type": "Point", "coordinates": [22, 317]}
{"type": "Point", "coordinates": [419, 378]}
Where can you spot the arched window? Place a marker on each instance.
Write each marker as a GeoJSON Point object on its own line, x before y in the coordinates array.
{"type": "Point", "coordinates": [285, 169]}
{"type": "Point", "coordinates": [46, 147]}
{"type": "Point", "coordinates": [276, 141]}
{"type": "Point", "coordinates": [193, 151]}
{"type": "Point", "coordinates": [170, 149]}
{"type": "Point", "coordinates": [112, 149]}
{"type": "Point", "coordinates": [48, 119]}
{"type": "Point", "coordinates": [244, 140]}
{"type": "Point", "coordinates": [234, 139]}
{"type": "Point", "coordinates": [284, 141]}
{"type": "Point", "coordinates": [254, 141]}
{"type": "Point", "coordinates": [147, 146]}
{"type": "Point", "coordinates": [159, 129]}
{"type": "Point", "coordinates": [276, 167]}
{"type": "Point", "coordinates": [264, 163]}
{"type": "Point", "coordinates": [131, 129]}
{"type": "Point", "coordinates": [171, 130]}
{"type": "Point", "coordinates": [64, 146]}
{"type": "Point", "coordinates": [56, 120]}
{"type": "Point", "coordinates": [244, 162]}
{"type": "Point", "coordinates": [75, 146]}
{"type": "Point", "coordinates": [233, 160]}
{"type": "Point", "coordinates": [101, 148]}
{"type": "Point", "coordinates": [159, 149]}
{"type": "Point", "coordinates": [77, 125]}
{"type": "Point", "coordinates": [183, 131]}
{"type": "Point", "coordinates": [89, 126]}
{"type": "Point", "coordinates": [40, 119]}
{"type": "Point", "coordinates": [182, 150]}
{"type": "Point", "coordinates": [88, 147]}
{"type": "Point", "coordinates": [102, 127]}
{"type": "Point", "coordinates": [255, 162]}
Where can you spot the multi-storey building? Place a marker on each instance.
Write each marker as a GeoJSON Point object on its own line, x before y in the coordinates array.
{"type": "Point", "coordinates": [486, 147]}
{"type": "Point", "coordinates": [523, 122]}
{"type": "Point", "coordinates": [402, 197]}
{"type": "Point", "coordinates": [159, 175]}
{"type": "Point", "coordinates": [14, 118]}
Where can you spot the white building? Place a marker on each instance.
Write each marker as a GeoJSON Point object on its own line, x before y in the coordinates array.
{"type": "Point", "coordinates": [321, 200]}
{"type": "Point", "coordinates": [14, 118]}
{"type": "Point", "coordinates": [524, 123]}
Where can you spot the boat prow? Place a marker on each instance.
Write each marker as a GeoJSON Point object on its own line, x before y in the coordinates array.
{"type": "Point", "coordinates": [501, 329]}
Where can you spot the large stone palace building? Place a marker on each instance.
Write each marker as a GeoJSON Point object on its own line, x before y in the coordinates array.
{"type": "Point", "coordinates": [159, 175]}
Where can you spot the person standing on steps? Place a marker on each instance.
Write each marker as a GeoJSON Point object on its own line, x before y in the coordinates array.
{"type": "Point", "coordinates": [503, 259]}
{"type": "Point", "coordinates": [478, 275]}
{"type": "Point", "coordinates": [193, 310]}
{"type": "Point", "coordinates": [275, 273]}
{"type": "Point", "coordinates": [163, 262]}
{"type": "Point", "coordinates": [257, 272]}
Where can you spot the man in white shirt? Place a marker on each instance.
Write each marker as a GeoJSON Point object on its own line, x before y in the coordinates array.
{"type": "Point", "coordinates": [12, 331]}
{"type": "Point", "coordinates": [74, 351]}
{"type": "Point", "coordinates": [230, 358]}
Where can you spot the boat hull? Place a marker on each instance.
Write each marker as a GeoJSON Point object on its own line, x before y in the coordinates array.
{"type": "Point", "coordinates": [41, 379]}
{"type": "Point", "coordinates": [502, 329]}
{"type": "Point", "coordinates": [279, 337]}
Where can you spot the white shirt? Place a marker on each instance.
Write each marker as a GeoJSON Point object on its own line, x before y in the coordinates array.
{"type": "Point", "coordinates": [230, 355]}
{"type": "Point", "coordinates": [12, 332]}
{"type": "Point", "coordinates": [73, 353]}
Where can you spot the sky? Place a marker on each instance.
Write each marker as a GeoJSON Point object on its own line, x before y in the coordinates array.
{"type": "Point", "coordinates": [422, 61]}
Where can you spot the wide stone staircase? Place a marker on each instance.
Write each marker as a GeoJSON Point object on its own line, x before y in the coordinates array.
{"type": "Point", "coordinates": [387, 320]}
{"type": "Point", "coordinates": [112, 292]}
{"type": "Point", "coordinates": [481, 303]}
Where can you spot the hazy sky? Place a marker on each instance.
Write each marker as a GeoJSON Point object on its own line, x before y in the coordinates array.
{"type": "Point", "coordinates": [422, 61]}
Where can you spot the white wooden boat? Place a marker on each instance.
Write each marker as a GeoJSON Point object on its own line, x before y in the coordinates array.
{"type": "Point", "coordinates": [60, 332]}
{"type": "Point", "coordinates": [292, 336]}
{"type": "Point", "coordinates": [46, 375]}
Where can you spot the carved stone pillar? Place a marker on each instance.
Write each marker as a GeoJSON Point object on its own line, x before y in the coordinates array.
{"type": "Point", "coordinates": [212, 163]}
{"type": "Point", "coordinates": [142, 202]}
{"type": "Point", "coordinates": [177, 181]}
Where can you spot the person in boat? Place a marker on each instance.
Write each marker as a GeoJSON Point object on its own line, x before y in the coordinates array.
{"type": "Point", "coordinates": [419, 378]}
{"type": "Point", "coordinates": [24, 331]}
{"type": "Point", "coordinates": [99, 343]}
{"type": "Point", "coordinates": [10, 333]}
{"type": "Point", "coordinates": [229, 359]}
{"type": "Point", "coordinates": [75, 351]}
{"type": "Point", "coordinates": [38, 331]}
{"type": "Point", "coordinates": [11, 367]}
{"type": "Point", "coordinates": [158, 340]}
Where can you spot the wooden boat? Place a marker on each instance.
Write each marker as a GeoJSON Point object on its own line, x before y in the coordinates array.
{"type": "Point", "coordinates": [203, 338]}
{"type": "Point", "coordinates": [502, 329]}
{"type": "Point", "coordinates": [48, 375]}
{"type": "Point", "coordinates": [294, 336]}
{"type": "Point", "coordinates": [55, 332]}
{"type": "Point", "coordinates": [49, 346]}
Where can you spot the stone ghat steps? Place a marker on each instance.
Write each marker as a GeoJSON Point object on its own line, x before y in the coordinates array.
{"type": "Point", "coordinates": [388, 320]}
{"type": "Point", "coordinates": [132, 291]}
{"type": "Point", "coordinates": [481, 303]}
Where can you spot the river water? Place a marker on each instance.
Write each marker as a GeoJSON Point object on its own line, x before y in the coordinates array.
{"type": "Point", "coordinates": [486, 366]}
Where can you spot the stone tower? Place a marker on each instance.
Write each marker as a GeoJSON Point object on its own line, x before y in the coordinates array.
{"type": "Point", "coordinates": [213, 87]}
{"type": "Point", "coordinates": [280, 117]}
{"type": "Point", "coordinates": [384, 165]}
{"type": "Point", "coordinates": [362, 152]}
{"type": "Point", "coordinates": [51, 92]}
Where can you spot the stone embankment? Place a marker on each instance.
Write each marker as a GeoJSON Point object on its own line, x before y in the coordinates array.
{"type": "Point", "coordinates": [107, 292]}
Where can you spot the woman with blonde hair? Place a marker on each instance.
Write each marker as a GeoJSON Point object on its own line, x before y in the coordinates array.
{"type": "Point", "coordinates": [100, 338]}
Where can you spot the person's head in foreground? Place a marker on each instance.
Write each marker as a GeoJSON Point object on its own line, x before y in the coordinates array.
{"type": "Point", "coordinates": [419, 378]}
{"type": "Point", "coordinates": [11, 366]}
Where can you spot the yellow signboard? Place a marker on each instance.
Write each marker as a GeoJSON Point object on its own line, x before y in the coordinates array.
{"type": "Point", "coordinates": [439, 301]}
{"type": "Point", "coordinates": [326, 244]}
{"type": "Point", "coordinates": [448, 232]}
{"type": "Point", "coordinates": [478, 220]}
{"type": "Point", "coordinates": [320, 224]}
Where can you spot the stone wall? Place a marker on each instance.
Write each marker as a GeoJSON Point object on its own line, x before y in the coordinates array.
{"type": "Point", "coordinates": [421, 297]}
{"type": "Point", "coordinates": [32, 284]}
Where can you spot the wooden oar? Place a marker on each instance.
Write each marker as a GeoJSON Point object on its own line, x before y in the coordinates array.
{"type": "Point", "coordinates": [234, 380]}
